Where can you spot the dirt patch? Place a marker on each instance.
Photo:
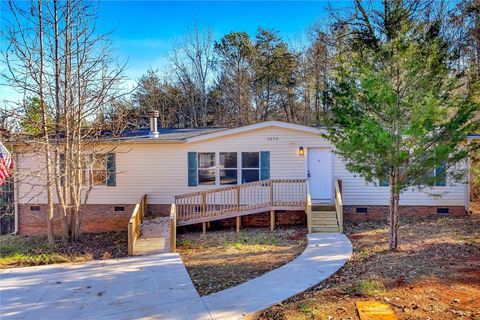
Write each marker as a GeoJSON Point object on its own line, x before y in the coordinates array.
{"type": "Point", "coordinates": [223, 259]}
{"type": "Point", "coordinates": [434, 275]}
{"type": "Point", "coordinates": [20, 251]}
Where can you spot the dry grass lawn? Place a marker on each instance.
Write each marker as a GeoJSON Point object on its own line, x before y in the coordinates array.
{"type": "Point", "coordinates": [223, 259]}
{"type": "Point", "coordinates": [434, 275]}
{"type": "Point", "coordinates": [20, 251]}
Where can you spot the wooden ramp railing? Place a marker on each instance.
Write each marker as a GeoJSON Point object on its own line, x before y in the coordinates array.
{"type": "Point", "coordinates": [308, 209]}
{"type": "Point", "coordinates": [173, 228]}
{"type": "Point", "coordinates": [135, 222]}
{"type": "Point", "coordinates": [248, 198]}
{"type": "Point", "coordinates": [339, 204]}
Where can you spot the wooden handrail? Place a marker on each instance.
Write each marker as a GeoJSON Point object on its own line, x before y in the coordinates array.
{"type": "Point", "coordinates": [135, 222]}
{"type": "Point", "coordinates": [243, 198]}
{"type": "Point", "coordinates": [173, 228]}
{"type": "Point", "coordinates": [339, 204]}
{"type": "Point", "coordinates": [308, 209]}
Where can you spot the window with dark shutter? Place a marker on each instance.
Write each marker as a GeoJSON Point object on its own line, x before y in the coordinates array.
{"type": "Point", "coordinates": [250, 167]}
{"type": "Point", "coordinates": [441, 175]}
{"type": "Point", "coordinates": [192, 169]}
{"type": "Point", "coordinates": [206, 168]}
{"type": "Point", "coordinates": [264, 165]}
{"type": "Point", "coordinates": [111, 170]}
{"type": "Point", "coordinates": [228, 168]}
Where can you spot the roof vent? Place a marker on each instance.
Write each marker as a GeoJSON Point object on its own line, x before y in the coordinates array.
{"type": "Point", "coordinates": [153, 115]}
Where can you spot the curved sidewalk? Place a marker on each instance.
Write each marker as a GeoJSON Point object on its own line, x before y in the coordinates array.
{"type": "Point", "coordinates": [324, 255]}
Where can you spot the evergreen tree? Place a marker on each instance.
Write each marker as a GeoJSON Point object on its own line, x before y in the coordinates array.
{"type": "Point", "coordinates": [397, 113]}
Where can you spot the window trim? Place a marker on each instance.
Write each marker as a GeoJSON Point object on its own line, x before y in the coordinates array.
{"type": "Point", "coordinates": [435, 176]}
{"type": "Point", "coordinates": [228, 168]}
{"type": "Point", "coordinates": [257, 168]}
{"type": "Point", "coordinates": [383, 183]}
{"type": "Point", "coordinates": [90, 178]}
{"type": "Point", "coordinates": [92, 170]}
{"type": "Point", "coordinates": [215, 168]}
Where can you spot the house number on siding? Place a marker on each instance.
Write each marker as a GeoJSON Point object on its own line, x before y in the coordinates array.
{"type": "Point", "coordinates": [272, 138]}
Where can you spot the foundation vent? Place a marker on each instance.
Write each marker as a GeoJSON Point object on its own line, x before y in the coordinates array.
{"type": "Point", "coordinates": [442, 211]}
{"type": "Point", "coordinates": [361, 210]}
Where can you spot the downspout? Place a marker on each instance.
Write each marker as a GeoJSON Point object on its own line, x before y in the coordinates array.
{"type": "Point", "coordinates": [15, 190]}
{"type": "Point", "coordinates": [467, 187]}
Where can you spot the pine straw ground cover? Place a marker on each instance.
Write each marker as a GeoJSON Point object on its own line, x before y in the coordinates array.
{"type": "Point", "coordinates": [20, 251]}
{"type": "Point", "coordinates": [434, 275]}
{"type": "Point", "coordinates": [223, 259]}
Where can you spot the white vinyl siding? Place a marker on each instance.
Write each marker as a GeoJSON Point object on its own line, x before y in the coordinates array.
{"type": "Point", "coordinates": [161, 171]}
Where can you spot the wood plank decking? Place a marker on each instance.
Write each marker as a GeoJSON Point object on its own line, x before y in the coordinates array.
{"type": "Point", "coordinates": [154, 237]}
{"type": "Point", "coordinates": [158, 235]}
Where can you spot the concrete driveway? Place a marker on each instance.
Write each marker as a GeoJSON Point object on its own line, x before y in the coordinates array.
{"type": "Point", "coordinates": [146, 287]}
{"type": "Point", "coordinates": [158, 287]}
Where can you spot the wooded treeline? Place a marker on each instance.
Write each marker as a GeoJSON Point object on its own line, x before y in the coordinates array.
{"type": "Point", "coordinates": [241, 79]}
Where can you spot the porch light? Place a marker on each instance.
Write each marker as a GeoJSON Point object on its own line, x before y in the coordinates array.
{"type": "Point", "coordinates": [301, 152]}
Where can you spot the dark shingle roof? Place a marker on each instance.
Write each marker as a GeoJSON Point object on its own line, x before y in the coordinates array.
{"type": "Point", "coordinates": [165, 134]}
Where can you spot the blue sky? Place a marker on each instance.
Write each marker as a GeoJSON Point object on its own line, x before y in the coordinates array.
{"type": "Point", "coordinates": [145, 31]}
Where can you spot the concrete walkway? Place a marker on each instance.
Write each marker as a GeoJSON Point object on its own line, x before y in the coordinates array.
{"type": "Point", "coordinates": [154, 237]}
{"type": "Point", "coordinates": [158, 287]}
{"type": "Point", "coordinates": [324, 255]}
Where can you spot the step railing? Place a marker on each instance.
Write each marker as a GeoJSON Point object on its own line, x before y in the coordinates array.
{"type": "Point", "coordinates": [241, 199]}
{"type": "Point", "coordinates": [135, 222]}
{"type": "Point", "coordinates": [339, 204]}
{"type": "Point", "coordinates": [308, 208]}
{"type": "Point", "coordinates": [173, 227]}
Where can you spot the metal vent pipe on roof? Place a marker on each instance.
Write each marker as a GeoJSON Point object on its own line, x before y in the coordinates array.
{"type": "Point", "coordinates": [153, 115]}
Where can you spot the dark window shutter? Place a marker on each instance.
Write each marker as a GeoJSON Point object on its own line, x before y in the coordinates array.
{"type": "Point", "coordinates": [111, 170]}
{"type": "Point", "coordinates": [192, 169]}
{"type": "Point", "coordinates": [441, 175]}
{"type": "Point", "coordinates": [62, 168]}
{"type": "Point", "coordinates": [264, 165]}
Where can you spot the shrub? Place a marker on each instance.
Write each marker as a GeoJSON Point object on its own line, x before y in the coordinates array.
{"type": "Point", "coordinates": [365, 287]}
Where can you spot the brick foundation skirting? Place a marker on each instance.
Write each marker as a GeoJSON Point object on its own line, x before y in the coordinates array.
{"type": "Point", "coordinates": [381, 212]}
{"type": "Point", "coordinates": [108, 217]}
{"type": "Point", "coordinates": [95, 217]}
{"type": "Point", "coordinates": [263, 219]}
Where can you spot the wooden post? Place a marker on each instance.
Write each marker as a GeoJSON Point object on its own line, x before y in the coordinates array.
{"type": "Point", "coordinates": [204, 204]}
{"type": "Point", "coordinates": [130, 240]}
{"type": "Point", "coordinates": [271, 193]}
{"type": "Point", "coordinates": [239, 222]}
{"type": "Point", "coordinates": [204, 228]}
{"type": "Point", "coordinates": [238, 198]}
{"type": "Point", "coordinates": [173, 235]}
{"type": "Point", "coordinates": [272, 220]}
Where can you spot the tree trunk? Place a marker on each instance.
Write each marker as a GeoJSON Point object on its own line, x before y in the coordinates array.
{"type": "Point", "coordinates": [393, 216]}
{"type": "Point", "coordinates": [46, 142]}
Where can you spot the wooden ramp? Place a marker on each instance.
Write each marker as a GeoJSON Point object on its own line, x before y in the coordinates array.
{"type": "Point", "coordinates": [154, 237]}
{"type": "Point", "coordinates": [256, 197]}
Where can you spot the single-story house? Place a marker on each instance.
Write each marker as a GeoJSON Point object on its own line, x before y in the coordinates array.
{"type": "Point", "coordinates": [165, 164]}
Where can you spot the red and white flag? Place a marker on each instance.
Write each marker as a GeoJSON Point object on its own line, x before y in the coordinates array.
{"type": "Point", "coordinates": [6, 164]}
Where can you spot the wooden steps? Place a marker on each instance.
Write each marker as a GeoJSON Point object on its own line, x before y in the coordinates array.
{"type": "Point", "coordinates": [324, 219]}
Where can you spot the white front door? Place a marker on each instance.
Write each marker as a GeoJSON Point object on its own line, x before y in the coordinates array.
{"type": "Point", "coordinates": [320, 174]}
